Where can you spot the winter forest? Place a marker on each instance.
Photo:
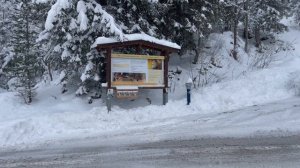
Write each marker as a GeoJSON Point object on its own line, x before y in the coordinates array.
{"type": "Point", "coordinates": [50, 40]}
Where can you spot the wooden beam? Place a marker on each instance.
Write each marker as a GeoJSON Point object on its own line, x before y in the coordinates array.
{"type": "Point", "coordinates": [139, 49]}
{"type": "Point", "coordinates": [151, 87]}
{"type": "Point", "coordinates": [108, 69]}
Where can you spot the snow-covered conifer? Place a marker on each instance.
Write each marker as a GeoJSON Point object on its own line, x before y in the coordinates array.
{"type": "Point", "coordinates": [23, 66]}
{"type": "Point", "coordinates": [265, 16]}
{"type": "Point", "coordinates": [70, 29]}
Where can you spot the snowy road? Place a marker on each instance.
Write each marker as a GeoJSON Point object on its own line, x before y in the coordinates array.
{"type": "Point", "coordinates": [259, 152]}
{"type": "Point", "coordinates": [197, 140]}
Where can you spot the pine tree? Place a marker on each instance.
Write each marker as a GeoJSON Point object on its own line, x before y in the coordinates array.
{"type": "Point", "coordinates": [246, 24]}
{"type": "Point", "coordinates": [188, 22]}
{"type": "Point", "coordinates": [24, 68]}
{"type": "Point", "coordinates": [295, 5]}
{"type": "Point", "coordinates": [5, 27]}
{"type": "Point", "coordinates": [204, 20]}
{"type": "Point", "coordinates": [5, 49]}
{"type": "Point", "coordinates": [136, 16]}
{"type": "Point", "coordinates": [265, 15]}
{"type": "Point", "coordinates": [234, 10]}
{"type": "Point", "coordinates": [70, 30]}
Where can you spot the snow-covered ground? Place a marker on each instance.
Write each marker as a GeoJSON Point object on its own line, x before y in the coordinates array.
{"type": "Point", "coordinates": [57, 117]}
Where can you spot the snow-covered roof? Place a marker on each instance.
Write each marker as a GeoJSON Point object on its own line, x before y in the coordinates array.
{"type": "Point", "coordinates": [136, 37]}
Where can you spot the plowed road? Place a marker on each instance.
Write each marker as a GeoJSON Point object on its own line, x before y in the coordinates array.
{"type": "Point", "coordinates": [258, 152]}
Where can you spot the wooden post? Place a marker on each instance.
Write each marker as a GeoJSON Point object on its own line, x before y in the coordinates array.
{"type": "Point", "coordinates": [165, 96]}
{"type": "Point", "coordinates": [108, 79]}
{"type": "Point", "coordinates": [166, 69]}
{"type": "Point", "coordinates": [108, 70]}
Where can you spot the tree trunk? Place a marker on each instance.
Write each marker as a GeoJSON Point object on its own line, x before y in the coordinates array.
{"type": "Point", "coordinates": [49, 71]}
{"type": "Point", "coordinates": [197, 55]}
{"type": "Point", "coordinates": [235, 32]}
{"type": "Point", "coordinates": [29, 94]}
{"type": "Point", "coordinates": [257, 37]}
{"type": "Point", "coordinates": [3, 18]}
{"type": "Point", "coordinates": [235, 41]}
{"type": "Point", "coordinates": [246, 26]}
{"type": "Point", "coordinates": [197, 50]}
{"type": "Point", "coordinates": [27, 55]}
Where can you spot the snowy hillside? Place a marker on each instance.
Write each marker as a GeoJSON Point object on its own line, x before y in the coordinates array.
{"type": "Point", "coordinates": [59, 117]}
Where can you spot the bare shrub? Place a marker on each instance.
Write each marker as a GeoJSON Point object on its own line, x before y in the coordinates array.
{"type": "Point", "coordinates": [266, 54]}
{"type": "Point", "coordinates": [206, 71]}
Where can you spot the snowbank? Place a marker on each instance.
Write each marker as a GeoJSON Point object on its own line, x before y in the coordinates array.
{"type": "Point", "coordinates": [54, 116]}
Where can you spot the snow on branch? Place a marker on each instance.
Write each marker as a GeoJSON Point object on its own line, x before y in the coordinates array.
{"type": "Point", "coordinates": [109, 22]}
{"type": "Point", "coordinates": [55, 11]}
{"type": "Point", "coordinates": [87, 72]}
{"type": "Point", "coordinates": [6, 60]}
{"type": "Point", "coordinates": [82, 18]}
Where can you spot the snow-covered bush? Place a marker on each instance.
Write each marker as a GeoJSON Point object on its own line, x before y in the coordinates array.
{"type": "Point", "coordinates": [294, 83]}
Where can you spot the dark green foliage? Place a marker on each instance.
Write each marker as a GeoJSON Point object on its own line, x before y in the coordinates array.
{"type": "Point", "coordinates": [24, 68]}
{"type": "Point", "coordinates": [295, 6]}
{"type": "Point", "coordinates": [66, 45]}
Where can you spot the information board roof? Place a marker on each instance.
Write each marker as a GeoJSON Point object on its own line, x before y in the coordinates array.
{"type": "Point", "coordinates": [136, 39]}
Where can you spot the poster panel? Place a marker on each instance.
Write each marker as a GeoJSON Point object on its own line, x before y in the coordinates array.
{"type": "Point", "coordinates": [139, 70]}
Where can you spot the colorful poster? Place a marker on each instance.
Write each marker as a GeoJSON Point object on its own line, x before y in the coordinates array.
{"type": "Point", "coordinates": [155, 64]}
{"type": "Point", "coordinates": [139, 70]}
